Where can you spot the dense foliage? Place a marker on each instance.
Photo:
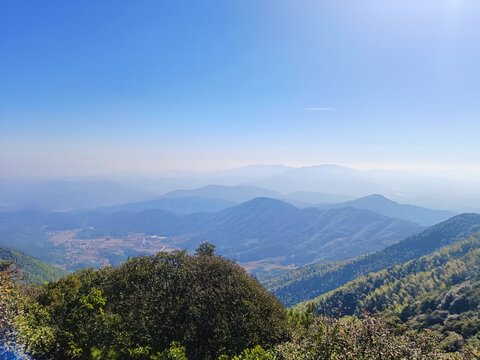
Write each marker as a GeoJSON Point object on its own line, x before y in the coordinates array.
{"type": "Point", "coordinates": [362, 338]}
{"type": "Point", "coordinates": [205, 302]}
{"type": "Point", "coordinates": [313, 280]}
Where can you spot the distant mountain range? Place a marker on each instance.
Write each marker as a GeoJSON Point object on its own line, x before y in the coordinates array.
{"type": "Point", "coordinates": [431, 189]}
{"type": "Point", "coordinates": [263, 230]}
{"type": "Point", "coordinates": [313, 280]}
{"type": "Point", "coordinates": [381, 205]}
{"type": "Point", "coordinates": [181, 205]}
{"type": "Point", "coordinates": [332, 179]}
{"type": "Point", "coordinates": [237, 194]}
{"type": "Point", "coordinates": [214, 198]}
{"type": "Point", "coordinates": [317, 198]}
{"type": "Point", "coordinates": [65, 195]}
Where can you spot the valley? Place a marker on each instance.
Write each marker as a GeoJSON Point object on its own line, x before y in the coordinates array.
{"type": "Point", "coordinates": [104, 251]}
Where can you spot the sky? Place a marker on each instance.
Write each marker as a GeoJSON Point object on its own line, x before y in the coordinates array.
{"type": "Point", "coordinates": [91, 87]}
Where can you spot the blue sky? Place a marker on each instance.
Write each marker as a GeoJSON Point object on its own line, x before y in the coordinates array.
{"type": "Point", "coordinates": [102, 86]}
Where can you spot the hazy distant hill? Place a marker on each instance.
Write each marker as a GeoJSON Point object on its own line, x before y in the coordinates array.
{"type": "Point", "coordinates": [381, 205]}
{"type": "Point", "coordinates": [35, 270]}
{"type": "Point", "coordinates": [65, 195]}
{"type": "Point", "coordinates": [313, 280]}
{"type": "Point", "coordinates": [180, 205]}
{"type": "Point", "coordinates": [315, 197]}
{"type": "Point", "coordinates": [332, 179]}
{"type": "Point", "coordinates": [236, 194]}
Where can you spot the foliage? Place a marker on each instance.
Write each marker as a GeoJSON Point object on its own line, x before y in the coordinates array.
{"type": "Point", "coordinates": [205, 249]}
{"type": "Point", "coordinates": [366, 337]}
{"type": "Point", "coordinates": [256, 353]}
{"type": "Point", "coordinates": [135, 311]}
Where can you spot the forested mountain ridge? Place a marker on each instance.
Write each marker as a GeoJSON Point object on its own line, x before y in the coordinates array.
{"type": "Point", "coordinates": [35, 271]}
{"type": "Point", "coordinates": [273, 227]}
{"type": "Point", "coordinates": [313, 280]}
{"type": "Point", "coordinates": [440, 291]}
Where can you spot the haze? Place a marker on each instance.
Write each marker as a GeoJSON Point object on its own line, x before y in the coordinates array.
{"type": "Point", "coordinates": [160, 88]}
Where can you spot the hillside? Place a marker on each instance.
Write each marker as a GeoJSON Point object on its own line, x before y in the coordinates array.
{"type": "Point", "coordinates": [35, 270]}
{"type": "Point", "coordinates": [370, 292]}
{"type": "Point", "coordinates": [276, 229]}
{"type": "Point", "coordinates": [313, 280]}
{"type": "Point", "coordinates": [440, 291]}
{"type": "Point", "coordinates": [381, 205]}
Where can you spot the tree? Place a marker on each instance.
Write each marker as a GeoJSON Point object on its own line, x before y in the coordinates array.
{"type": "Point", "coordinates": [206, 303]}
{"type": "Point", "coordinates": [205, 249]}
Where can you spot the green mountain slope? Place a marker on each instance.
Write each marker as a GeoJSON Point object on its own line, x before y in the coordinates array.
{"type": "Point", "coordinates": [35, 270]}
{"type": "Point", "coordinates": [313, 280]}
{"type": "Point", "coordinates": [446, 280]}
{"type": "Point", "coordinates": [440, 291]}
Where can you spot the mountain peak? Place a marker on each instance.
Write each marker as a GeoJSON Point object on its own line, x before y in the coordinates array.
{"type": "Point", "coordinates": [376, 197]}
{"type": "Point", "coordinates": [266, 202]}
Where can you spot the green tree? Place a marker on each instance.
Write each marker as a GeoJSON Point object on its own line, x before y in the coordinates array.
{"type": "Point", "coordinates": [205, 249]}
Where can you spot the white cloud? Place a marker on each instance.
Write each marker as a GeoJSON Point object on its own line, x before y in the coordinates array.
{"type": "Point", "coordinates": [319, 109]}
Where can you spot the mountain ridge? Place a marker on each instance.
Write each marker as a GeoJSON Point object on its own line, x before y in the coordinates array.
{"type": "Point", "coordinates": [384, 206]}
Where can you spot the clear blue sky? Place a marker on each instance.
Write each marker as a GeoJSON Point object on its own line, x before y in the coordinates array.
{"type": "Point", "coordinates": [100, 86]}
